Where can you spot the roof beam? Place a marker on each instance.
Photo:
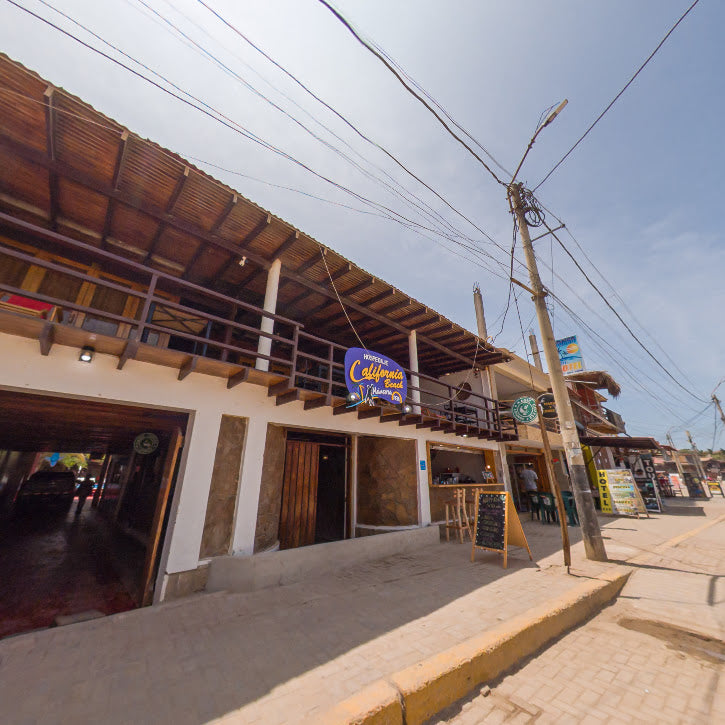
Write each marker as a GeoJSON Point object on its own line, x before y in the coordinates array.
{"type": "Point", "coordinates": [379, 297]}
{"type": "Point", "coordinates": [360, 286]}
{"type": "Point", "coordinates": [234, 258]}
{"type": "Point", "coordinates": [50, 149]}
{"type": "Point", "coordinates": [286, 244]}
{"type": "Point", "coordinates": [163, 221]}
{"type": "Point", "coordinates": [228, 209]}
{"type": "Point", "coordinates": [395, 306]}
{"type": "Point", "coordinates": [143, 206]}
{"type": "Point", "coordinates": [117, 171]}
{"type": "Point", "coordinates": [311, 262]}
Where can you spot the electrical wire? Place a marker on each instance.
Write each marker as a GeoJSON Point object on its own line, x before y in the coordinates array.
{"type": "Point", "coordinates": [345, 120]}
{"type": "Point", "coordinates": [408, 88]}
{"type": "Point", "coordinates": [619, 317]}
{"type": "Point", "coordinates": [233, 125]}
{"type": "Point", "coordinates": [616, 98]}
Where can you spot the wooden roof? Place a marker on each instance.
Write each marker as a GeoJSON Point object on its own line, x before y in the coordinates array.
{"type": "Point", "coordinates": [67, 167]}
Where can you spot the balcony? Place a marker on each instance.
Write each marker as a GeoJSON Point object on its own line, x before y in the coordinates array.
{"type": "Point", "coordinates": [137, 312]}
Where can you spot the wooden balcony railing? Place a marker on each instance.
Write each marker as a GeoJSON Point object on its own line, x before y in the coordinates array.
{"type": "Point", "coordinates": [167, 311]}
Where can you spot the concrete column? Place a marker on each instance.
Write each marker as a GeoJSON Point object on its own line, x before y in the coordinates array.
{"type": "Point", "coordinates": [250, 483]}
{"type": "Point", "coordinates": [421, 454]}
{"type": "Point", "coordinates": [270, 305]}
{"type": "Point", "coordinates": [188, 510]}
{"type": "Point", "coordinates": [414, 380]}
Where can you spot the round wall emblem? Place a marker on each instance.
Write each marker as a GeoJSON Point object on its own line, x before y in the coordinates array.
{"type": "Point", "coordinates": [524, 409]}
{"type": "Point", "coordinates": [145, 443]}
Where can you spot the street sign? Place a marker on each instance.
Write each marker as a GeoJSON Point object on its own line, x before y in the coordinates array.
{"type": "Point", "coordinates": [548, 406]}
{"type": "Point", "coordinates": [524, 409]}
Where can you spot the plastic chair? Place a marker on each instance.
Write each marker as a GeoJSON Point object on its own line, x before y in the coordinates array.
{"type": "Point", "coordinates": [570, 507]}
{"type": "Point", "coordinates": [534, 504]}
{"type": "Point", "coordinates": [548, 509]}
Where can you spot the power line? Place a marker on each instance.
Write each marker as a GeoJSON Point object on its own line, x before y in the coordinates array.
{"type": "Point", "coordinates": [407, 87]}
{"type": "Point", "coordinates": [618, 296]}
{"type": "Point", "coordinates": [618, 316]}
{"type": "Point", "coordinates": [616, 98]}
{"type": "Point", "coordinates": [237, 128]}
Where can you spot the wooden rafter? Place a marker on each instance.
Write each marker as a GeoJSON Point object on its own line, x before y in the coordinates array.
{"type": "Point", "coordinates": [379, 297]}
{"type": "Point", "coordinates": [286, 244]}
{"type": "Point", "coordinates": [147, 208]}
{"type": "Point", "coordinates": [228, 209]}
{"type": "Point", "coordinates": [165, 219]}
{"type": "Point", "coordinates": [360, 286]}
{"type": "Point", "coordinates": [50, 148]}
{"type": "Point", "coordinates": [234, 258]}
{"type": "Point", "coordinates": [117, 172]}
{"type": "Point", "coordinates": [308, 263]}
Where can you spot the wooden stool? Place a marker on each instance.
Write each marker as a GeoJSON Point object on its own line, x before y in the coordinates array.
{"type": "Point", "coordinates": [457, 516]}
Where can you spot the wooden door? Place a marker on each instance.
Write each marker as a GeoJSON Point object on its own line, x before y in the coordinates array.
{"type": "Point", "coordinates": [176, 440]}
{"type": "Point", "coordinates": [542, 474]}
{"type": "Point", "coordinates": [299, 495]}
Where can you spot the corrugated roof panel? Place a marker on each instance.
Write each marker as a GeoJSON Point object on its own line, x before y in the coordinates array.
{"type": "Point", "coordinates": [149, 174]}
{"type": "Point", "coordinates": [84, 146]}
{"type": "Point", "coordinates": [25, 181]}
{"type": "Point", "coordinates": [137, 228]}
{"type": "Point", "coordinates": [26, 124]}
{"type": "Point", "coordinates": [82, 205]}
{"type": "Point", "coordinates": [200, 203]}
{"type": "Point", "coordinates": [177, 246]}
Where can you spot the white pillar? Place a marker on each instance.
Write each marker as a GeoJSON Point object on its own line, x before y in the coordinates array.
{"type": "Point", "coordinates": [421, 454]}
{"type": "Point", "coordinates": [414, 380]}
{"type": "Point", "coordinates": [270, 305]}
{"type": "Point", "coordinates": [250, 483]}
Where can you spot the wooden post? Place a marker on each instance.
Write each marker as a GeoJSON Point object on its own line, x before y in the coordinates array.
{"type": "Point", "coordinates": [555, 488]}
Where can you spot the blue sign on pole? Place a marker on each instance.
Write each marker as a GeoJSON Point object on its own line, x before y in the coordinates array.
{"type": "Point", "coordinates": [370, 375]}
{"type": "Point", "coordinates": [570, 355]}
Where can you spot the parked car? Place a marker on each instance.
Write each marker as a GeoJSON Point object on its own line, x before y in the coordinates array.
{"type": "Point", "coordinates": [47, 488]}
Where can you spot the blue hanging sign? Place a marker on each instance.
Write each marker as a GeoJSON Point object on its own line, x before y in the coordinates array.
{"type": "Point", "coordinates": [370, 375]}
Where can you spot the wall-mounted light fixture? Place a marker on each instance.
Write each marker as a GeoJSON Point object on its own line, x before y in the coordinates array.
{"type": "Point", "coordinates": [87, 354]}
{"type": "Point", "coordinates": [407, 408]}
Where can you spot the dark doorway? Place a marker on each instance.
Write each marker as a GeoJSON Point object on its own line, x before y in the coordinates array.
{"type": "Point", "coordinates": [331, 494]}
{"type": "Point", "coordinates": [314, 492]}
{"type": "Point", "coordinates": [56, 558]}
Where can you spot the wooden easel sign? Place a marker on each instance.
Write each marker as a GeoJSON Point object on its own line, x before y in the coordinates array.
{"type": "Point", "coordinates": [497, 526]}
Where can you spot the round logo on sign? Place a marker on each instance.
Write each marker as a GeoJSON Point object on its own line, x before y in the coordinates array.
{"type": "Point", "coordinates": [145, 443]}
{"type": "Point", "coordinates": [524, 409]}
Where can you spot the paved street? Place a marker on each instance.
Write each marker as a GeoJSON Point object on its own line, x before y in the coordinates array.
{"type": "Point", "coordinates": [656, 656]}
{"type": "Point", "coordinates": [283, 654]}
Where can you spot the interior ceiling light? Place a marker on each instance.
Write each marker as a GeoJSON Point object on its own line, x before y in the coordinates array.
{"type": "Point", "coordinates": [242, 261]}
{"type": "Point", "coordinates": [87, 354]}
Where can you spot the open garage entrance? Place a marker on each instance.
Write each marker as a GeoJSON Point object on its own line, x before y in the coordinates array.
{"type": "Point", "coordinates": [57, 562]}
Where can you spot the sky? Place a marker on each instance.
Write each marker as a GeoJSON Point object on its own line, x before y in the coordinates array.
{"type": "Point", "coordinates": [640, 195]}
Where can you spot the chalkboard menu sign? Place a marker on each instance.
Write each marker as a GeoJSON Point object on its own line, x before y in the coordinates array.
{"type": "Point", "coordinates": [491, 521]}
{"type": "Point", "coordinates": [497, 526]}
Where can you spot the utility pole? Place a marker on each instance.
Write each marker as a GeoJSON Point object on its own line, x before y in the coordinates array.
{"type": "Point", "coordinates": [719, 409]}
{"type": "Point", "coordinates": [490, 390]}
{"type": "Point", "coordinates": [554, 486]}
{"type": "Point", "coordinates": [698, 464]}
{"type": "Point", "coordinates": [591, 533]}
{"type": "Point", "coordinates": [535, 351]}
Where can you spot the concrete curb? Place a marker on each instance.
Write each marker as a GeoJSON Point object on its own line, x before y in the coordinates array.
{"type": "Point", "coordinates": [412, 695]}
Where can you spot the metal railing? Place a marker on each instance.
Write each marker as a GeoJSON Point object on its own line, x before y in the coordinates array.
{"type": "Point", "coordinates": [308, 361]}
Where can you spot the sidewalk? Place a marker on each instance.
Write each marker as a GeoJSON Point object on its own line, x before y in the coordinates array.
{"type": "Point", "coordinates": [657, 655]}
{"type": "Point", "coordinates": [285, 654]}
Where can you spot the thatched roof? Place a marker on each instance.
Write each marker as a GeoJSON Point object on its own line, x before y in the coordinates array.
{"type": "Point", "coordinates": [597, 379]}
